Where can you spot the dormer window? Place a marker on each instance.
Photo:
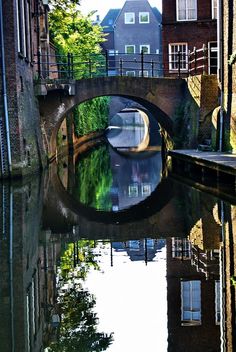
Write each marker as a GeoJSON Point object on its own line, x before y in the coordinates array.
{"type": "Point", "coordinates": [186, 10]}
{"type": "Point", "coordinates": [129, 17]}
{"type": "Point", "coordinates": [143, 17]}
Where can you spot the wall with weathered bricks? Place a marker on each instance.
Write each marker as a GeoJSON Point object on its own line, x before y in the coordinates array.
{"type": "Point", "coordinates": [24, 119]}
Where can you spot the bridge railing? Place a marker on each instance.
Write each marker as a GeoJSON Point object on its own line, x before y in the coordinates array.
{"type": "Point", "coordinates": [122, 64]}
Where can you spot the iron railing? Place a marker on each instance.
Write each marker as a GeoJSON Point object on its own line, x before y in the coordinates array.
{"type": "Point", "coordinates": [123, 64]}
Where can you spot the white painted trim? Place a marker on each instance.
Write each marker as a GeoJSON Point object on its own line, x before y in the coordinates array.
{"type": "Point", "coordinates": [129, 13]}
{"type": "Point", "coordinates": [177, 13]}
{"type": "Point", "coordinates": [129, 45]}
{"type": "Point", "coordinates": [144, 13]}
{"type": "Point", "coordinates": [147, 46]}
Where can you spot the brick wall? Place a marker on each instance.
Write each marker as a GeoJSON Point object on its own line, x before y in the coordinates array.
{"type": "Point", "coordinates": [24, 119]}
{"type": "Point", "coordinates": [194, 33]}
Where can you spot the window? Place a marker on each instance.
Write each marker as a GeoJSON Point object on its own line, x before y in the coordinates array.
{"type": "Point", "coordinates": [212, 57]}
{"type": "Point", "coordinates": [178, 56]}
{"type": "Point", "coordinates": [143, 17]}
{"type": "Point", "coordinates": [130, 49]}
{"type": "Point", "coordinates": [186, 10]}
{"type": "Point", "coordinates": [129, 18]}
{"type": "Point", "coordinates": [134, 245]}
{"type": "Point", "coordinates": [145, 187]}
{"type": "Point", "coordinates": [133, 189]}
{"type": "Point", "coordinates": [181, 248]}
{"type": "Point", "coordinates": [214, 9]}
{"type": "Point", "coordinates": [145, 48]}
{"type": "Point", "coordinates": [113, 52]}
{"type": "Point", "coordinates": [191, 302]}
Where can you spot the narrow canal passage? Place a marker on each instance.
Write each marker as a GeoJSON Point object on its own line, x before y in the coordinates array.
{"type": "Point", "coordinates": [105, 252]}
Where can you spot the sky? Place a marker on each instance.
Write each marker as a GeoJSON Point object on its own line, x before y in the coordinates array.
{"type": "Point", "coordinates": [103, 6]}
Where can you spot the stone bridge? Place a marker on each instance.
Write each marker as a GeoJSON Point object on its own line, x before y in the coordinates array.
{"type": "Point", "coordinates": [160, 96]}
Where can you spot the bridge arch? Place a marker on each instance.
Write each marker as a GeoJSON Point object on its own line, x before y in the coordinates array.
{"type": "Point", "coordinates": [160, 96]}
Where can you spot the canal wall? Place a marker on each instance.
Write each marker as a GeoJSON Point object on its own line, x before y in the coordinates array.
{"type": "Point", "coordinates": [193, 117]}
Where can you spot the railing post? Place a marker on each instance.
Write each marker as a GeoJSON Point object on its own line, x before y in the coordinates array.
{"type": "Point", "coordinates": [195, 60]}
{"type": "Point", "coordinates": [107, 63]}
{"type": "Point", "coordinates": [121, 67]}
{"type": "Point", "coordinates": [152, 67]}
{"type": "Point", "coordinates": [39, 63]}
{"type": "Point", "coordinates": [204, 58]}
{"type": "Point", "coordinates": [72, 65]}
{"type": "Point", "coordinates": [90, 68]}
{"type": "Point", "coordinates": [68, 66]}
{"type": "Point", "coordinates": [179, 63]}
{"type": "Point", "coordinates": [142, 63]}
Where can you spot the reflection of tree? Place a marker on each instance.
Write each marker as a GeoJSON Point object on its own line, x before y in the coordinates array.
{"type": "Point", "coordinates": [78, 330]}
{"type": "Point", "coordinates": [78, 327]}
{"type": "Point", "coordinates": [94, 179]}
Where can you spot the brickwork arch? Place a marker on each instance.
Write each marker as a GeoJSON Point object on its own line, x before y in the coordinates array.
{"type": "Point", "coordinates": [160, 96]}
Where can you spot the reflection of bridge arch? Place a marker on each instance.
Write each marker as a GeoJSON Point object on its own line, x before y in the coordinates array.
{"type": "Point", "coordinates": [150, 217]}
{"type": "Point", "coordinates": [160, 96]}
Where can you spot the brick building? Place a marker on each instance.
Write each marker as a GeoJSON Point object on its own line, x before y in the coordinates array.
{"type": "Point", "coordinates": [187, 24]}
{"type": "Point", "coordinates": [24, 32]}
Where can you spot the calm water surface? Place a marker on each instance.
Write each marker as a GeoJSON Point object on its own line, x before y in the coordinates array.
{"type": "Point", "coordinates": [104, 252]}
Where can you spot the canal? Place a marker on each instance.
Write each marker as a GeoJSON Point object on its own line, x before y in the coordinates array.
{"type": "Point", "coordinates": [106, 251]}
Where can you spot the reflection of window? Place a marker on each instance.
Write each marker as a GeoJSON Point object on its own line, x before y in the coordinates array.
{"type": "Point", "coordinates": [217, 301]}
{"type": "Point", "coordinates": [143, 17]}
{"type": "Point", "coordinates": [143, 73]}
{"type": "Point", "coordinates": [133, 190]}
{"type": "Point", "coordinates": [134, 245]}
{"type": "Point", "coordinates": [181, 248]}
{"type": "Point", "coordinates": [178, 58]}
{"type": "Point", "coordinates": [130, 49]}
{"type": "Point", "coordinates": [146, 189]}
{"type": "Point", "coordinates": [130, 73]}
{"type": "Point", "coordinates": [214, 9]}
{"type": "Point", "coordinates": [145, 48]}
{"type": "Point", "coordinates": [191, 302]}
{"type": "Point", "coordinates": [150, 243]}
{"type": "Point", "coordinates": [186, 10]}
{"type": "Point", "coordinates": [129, 17]}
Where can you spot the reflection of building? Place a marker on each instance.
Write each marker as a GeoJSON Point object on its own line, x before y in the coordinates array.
{"type": "Point", "coordinates": [193, 300]}
{"type": "Point", "coordinates": [133, 179]}
{"type": "Point", "coordinates": [137, 250]}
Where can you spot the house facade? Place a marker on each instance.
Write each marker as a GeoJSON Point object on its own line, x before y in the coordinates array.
{"type": "Point", "coordinates": [131, 31]}
{"type": "Point", "coordinates": [189, 24]}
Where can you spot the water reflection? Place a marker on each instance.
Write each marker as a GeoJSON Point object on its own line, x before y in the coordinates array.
{"type": "Point", "coordinates": [51, 257]}
{"type": "Point", "coordinates": [109, 181]}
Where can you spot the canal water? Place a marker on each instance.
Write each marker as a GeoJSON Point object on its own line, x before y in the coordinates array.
{"type": "Point", "coordinates": [106, 251]}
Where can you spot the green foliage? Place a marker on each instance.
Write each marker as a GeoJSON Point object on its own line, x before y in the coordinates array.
{"type": "Point", "coordinates": [91, 116]}
{"type": "Point", "coordinates": [94, 179]}
{"type": "Point", "coordinates": [78, 327]}
{"type": "Point", "coordinates": [73, 33]}
{"type": "Point", "coordinates": [232, 58]}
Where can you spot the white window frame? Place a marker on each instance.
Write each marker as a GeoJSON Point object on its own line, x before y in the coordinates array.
{"type": "Point", "coordinates": [145, 187]}
{"type": "Point", "coordinates": [187, 17]}
{"type": "Point", "coordinates": [214, 9]}
{"type": "Point", "coordinates": [113, 52]}
{"type": "Point", "coordinates": [172, 67]}
{"type": "Point", "coordinates": [133, 188]}
{"type": "Point", "coordinates": [209, 55]}
{"type": "Point", "coordinates": [129, 45]}
{"type": "Point", "coordinates": [145, 73]}
{"type": "Point", "coordinates": [127, 14]}
{"type": "Point", "coordinates": [144, 14]}
{"type": "Point", "coordinates": [188, 293]}
{"type": "Point", "coordinates": [146, 46]}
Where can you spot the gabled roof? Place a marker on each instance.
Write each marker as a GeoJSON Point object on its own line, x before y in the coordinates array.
{"type": "Point", "coordinates": [109, 20]}
{"type": "Point", "coordinates": [157, 14]}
